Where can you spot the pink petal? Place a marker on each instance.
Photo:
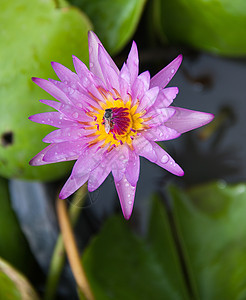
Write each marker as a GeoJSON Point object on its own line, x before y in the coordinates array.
{"type": "Point", "coordinates": [144, 148]}
{"type": "Point", "coordinates": [148, 99]}
{"type": "Point", "coordinates": [159, 116]}
{"type": "Point", "coordinates": [94, 42]}
{"type": "Point", "coordinates": [184, 119]}
{"type": "Point", "coordinates": [88, 161]}
{"type": "Point", "coordinates": [166, 97]}
{"type": "Point", "coordinates": [126, 194]}
{"type": "Point", "coordinates": [37, 160]}
{"type": "Point", "coordinates": [72, 184]}
{"type": "Point", "coordinates": [69, 111]}
{"type": "Point", "coordinates": [53, 118]}
{"type": "Point", "coordinates": [161, 133]}
{"type": "Point", "coordinates": [109, 73]}
{"type": "Point", "coordinates": [64, 74]}
{"type": "Point", "coordinates": [165, 161]}
{"type": "Point", "coordinates": [50, 88]}
{"type": "Point", "coordinates": [141, 85]}
{"type": "Point", "coordinates": [77, 96]}
{"type": "Point", "coordinates": [97, 176]}
{"type": "Point", "coordinates": [124, 81]}
{"type": "Point", "coordinates": [132, 62]}
{"type": "Point", "coordinates": [64, 151]}
{"type": "Point", "coordinates": [162, 78]}
{"type": "Point", "coordinates": [119, 163]}
{"type": "Point", "coordinates": [67, 134]}
{"type": "Point", "coordinates": [133, 168]}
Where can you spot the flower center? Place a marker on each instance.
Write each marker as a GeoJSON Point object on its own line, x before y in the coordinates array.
{"type": "Point", "coordinates": [117, 121]}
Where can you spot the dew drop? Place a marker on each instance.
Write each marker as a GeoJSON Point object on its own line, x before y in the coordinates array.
{"type": "Point", "coordinates": [42, 121]}
{"type": "Point", "coordinates": [129, 195]}
{"type": "Point", "coordinates": [91, 65]}
{"type": "Point", "coordinates": [172, 71]}
{"type": "Point", "coordinates": [164, 159]}
{"type": "Point", "coordinates": [75, 115]}
{"type": "Point", "coordinates": [130, 202]}
{"type": "Point", "coordinates": [127, 184]}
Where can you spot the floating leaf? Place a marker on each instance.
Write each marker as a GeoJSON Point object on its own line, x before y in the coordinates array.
{"type": "Point", "coordinates": [114, 20]}
{"type": "Point", "coordinates": [13, 245]}
{"type": "Point", "coordinates": [212, 228]}
{"type": "Point", "coordinates": [33, 33]}
{"type": "Point", "coordinates": [215, 26]}
{"type": "Point", "coordinates": [121, 265]}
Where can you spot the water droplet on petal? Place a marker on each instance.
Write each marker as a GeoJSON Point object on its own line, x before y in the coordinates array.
{"type": "Point", "coordinates": [129, 195]}
{"type": "Point", "coordinates": [75, 115]}
{"type": "Point", "coordinates": [130, 202]}
{"type": "Point", "coordinates": [164, 159]}
{"type": "Point", "coordinates": [127, 184]}
{"type": "Point", "coordinates": [172, 71]}
{"type": "Point", "coordinates": [91, 65]}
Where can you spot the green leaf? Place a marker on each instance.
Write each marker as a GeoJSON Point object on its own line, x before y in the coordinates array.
{"type": "Point", "coordinates": [215, 26]}
{"type": "Point", "coordinates": [114, 20]}
{"type": "Point", "coordinates": [33, 34]}
{"type": "Point", "coordinates": [13, 246]}
{"type": "Point", "coordinates": [121, 265]}
{"type": "Point", "coordinates": [13, 285]}
{"type": "Point", "coordinates": [212, 228]}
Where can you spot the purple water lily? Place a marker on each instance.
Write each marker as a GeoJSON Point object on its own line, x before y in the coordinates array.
{"type": "Point", "coordinates": [108, 117]}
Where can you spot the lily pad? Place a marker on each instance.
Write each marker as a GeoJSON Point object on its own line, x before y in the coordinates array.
{"type": "Point", "coordinates": [214, 26]}
{"type": "Point", "coordinates": [13, 245]}
{"type": "Point", "coordinates": [33, 33]}
{"type": "Point", "coordinates": [121, 265]}
{"type": "Point", "coordinates": [212, 228]}
{"type": "Point", "coordinates": [114, 21]}
{"type": "Point", "coordinates": [13, 285]}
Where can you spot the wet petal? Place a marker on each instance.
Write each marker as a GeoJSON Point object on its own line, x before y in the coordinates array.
{"type": "Point", "coordinates": [159, 116]}
{"type": "Point", "coordinates": [109, 73]}
{"type": "Point", "coordinates": [133, 168]}
{"type": "Point", "coordinates": [166, 97]}
{"type": "Point", "coordinates": [120, 162]}
{"type": "Point", "coordinates": [72, 184]}
{"type": "Point", "coordinates": [141, 85]}
{"type": "Point", "coordinates": [64, 74]}
{"type": "Point", "coordinates": [161, 133]}
{"type": "Point", "coordinates": [64, 151]}
{"type": "Point", "coordinates": [69, 111]}
{"type": "Point", "coordinates": [94, 42]}
{"type": "Point", "coordinates": [51, 88]}
{"type": "Point", "coordinates": [184, 119]}
{"type": "Point", "coordinates": [88, 161]}
{"type": "Point", "coordinates": [126, 194]}
{"type": "Point", "coordinates": [53, 118]}
{"type": "Point", "coordinates": [148, 99]}
{"type": "Point", "coordinates": [144, 148]}
{"type": "Point", "coordinates": [124, 81]}
{"type": "Point", "coordinates": [162, 78]}
{"type": "Point", "coordinates": [165, 161]}
{"type": "Point", "coordinates": [132, 62]}
{"type": "Point", "coordinates": [37, 160]}
{"type": "Point", "coordinates": [67, 134]}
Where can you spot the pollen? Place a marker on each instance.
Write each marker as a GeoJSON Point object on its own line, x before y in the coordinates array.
{"type": "Point", "coordinates": [116, 122]}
